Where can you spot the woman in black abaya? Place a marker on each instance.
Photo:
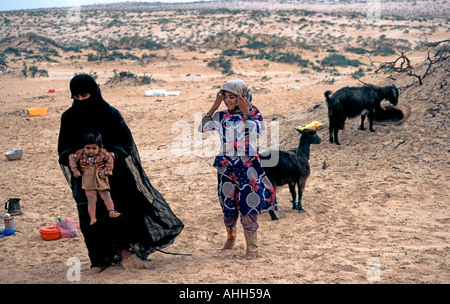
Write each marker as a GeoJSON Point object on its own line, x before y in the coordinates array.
{"type": "Point", "coordinates": [146, 221]}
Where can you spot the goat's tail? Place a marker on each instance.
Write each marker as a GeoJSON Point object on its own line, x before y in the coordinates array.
{"type": "Point", "coordinates": [327, 96]}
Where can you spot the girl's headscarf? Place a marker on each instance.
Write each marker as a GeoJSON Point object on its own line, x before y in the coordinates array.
{"type": "Point", "coordinates": [238, 87]}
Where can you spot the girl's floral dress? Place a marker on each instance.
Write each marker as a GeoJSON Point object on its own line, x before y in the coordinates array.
{"type": "Point", "coordinates": [243, 186]}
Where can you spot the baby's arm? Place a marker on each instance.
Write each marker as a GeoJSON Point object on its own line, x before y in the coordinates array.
{"type": "Point", "coordinates": [73, 160]}
{"type": "Point", "coordinates": [107, 164]}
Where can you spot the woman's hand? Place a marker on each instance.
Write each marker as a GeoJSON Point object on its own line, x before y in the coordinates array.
{"type": "Point", "coordinates": [243, 103]}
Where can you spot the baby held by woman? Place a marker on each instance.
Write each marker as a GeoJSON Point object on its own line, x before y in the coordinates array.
{"type": "Point", "coordinates": [94, 164]}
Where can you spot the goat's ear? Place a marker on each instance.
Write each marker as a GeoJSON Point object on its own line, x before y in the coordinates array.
{"type": "Point", "coordinates": [298, 130]}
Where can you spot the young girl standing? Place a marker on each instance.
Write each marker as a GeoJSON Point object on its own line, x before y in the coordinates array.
{"type": "Point", "coordinates": [243, 187]}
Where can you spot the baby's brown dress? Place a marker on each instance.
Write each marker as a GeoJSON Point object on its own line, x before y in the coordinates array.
{"type": "Point", "coordinates": [90, 176]}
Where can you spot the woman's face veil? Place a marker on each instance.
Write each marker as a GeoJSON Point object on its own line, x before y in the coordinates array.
{"type": "Point", "coordinates": [82, 84]}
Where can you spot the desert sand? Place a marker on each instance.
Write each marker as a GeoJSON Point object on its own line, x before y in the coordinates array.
{"type": "Point", "coordinates": [377, 206]}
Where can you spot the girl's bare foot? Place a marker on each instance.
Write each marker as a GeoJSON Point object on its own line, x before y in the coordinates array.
{"type": "Point", "coordinates": [229, 244]}
{"type": "Point", "coordinates": [231, 239]}
{"type": "Point", "coordinates": [250, 255]}
{"type": "Point", "coordinates": [93, 221]}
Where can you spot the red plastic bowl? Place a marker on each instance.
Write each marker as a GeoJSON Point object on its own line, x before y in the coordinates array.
{"type": "Point", "coordinates": [50, 233]}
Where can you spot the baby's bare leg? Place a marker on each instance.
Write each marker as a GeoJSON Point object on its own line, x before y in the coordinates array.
{"type": "Point", "coordinates": [92, 200]}
{"type": "Point", "coordinates": [106, 196]}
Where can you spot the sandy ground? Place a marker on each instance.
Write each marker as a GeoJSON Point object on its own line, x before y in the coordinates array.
{"type": "Point", "coordinates": [377, 206]}
{"type": "Point", "coordinates": [381, 198]}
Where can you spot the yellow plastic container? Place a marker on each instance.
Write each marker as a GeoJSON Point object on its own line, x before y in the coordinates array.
{"type": "Point", "coordinates": [313, 126]}
{"type": "Point", "coordinates": [37, 111]}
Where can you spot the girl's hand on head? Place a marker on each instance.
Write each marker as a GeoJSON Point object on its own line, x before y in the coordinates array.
{"type": "Point", "coordinates": [216, 105]}
{"type": "Point", "coordinates": [218, 101]}
{"type": "Point", "coordinates": [243, 103]}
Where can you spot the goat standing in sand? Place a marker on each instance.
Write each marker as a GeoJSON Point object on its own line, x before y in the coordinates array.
{"type": "Point", "coordinates": [292, 168]}
{"type": "Point", "coordinates": [350, 102]}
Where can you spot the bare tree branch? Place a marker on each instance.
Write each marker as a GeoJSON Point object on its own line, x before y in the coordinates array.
{"type": "Point", "coordinates": [402, 64]}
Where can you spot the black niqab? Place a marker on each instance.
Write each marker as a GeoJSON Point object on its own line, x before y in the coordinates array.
{"type": "Point", "coordinates": [146, 222]}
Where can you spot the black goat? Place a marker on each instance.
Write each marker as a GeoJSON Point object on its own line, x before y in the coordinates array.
{"type": "Point", "coordinates": [349, 102]}
{"type": "Point", "coordinates": [292, 168]}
